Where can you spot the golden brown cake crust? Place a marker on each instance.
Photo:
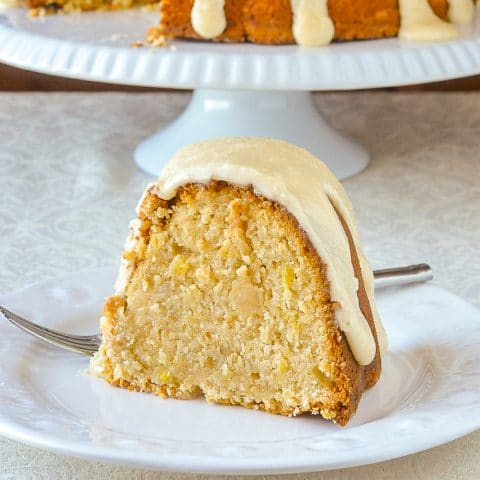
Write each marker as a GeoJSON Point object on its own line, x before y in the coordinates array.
{"type": "Point", "coordinates": [270, 21]}
{"type": "Point", "coordinates": [351, 378]}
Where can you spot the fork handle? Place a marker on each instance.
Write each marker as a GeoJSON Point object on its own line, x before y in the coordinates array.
{"type": "Point", "coordinates": [393, 277]}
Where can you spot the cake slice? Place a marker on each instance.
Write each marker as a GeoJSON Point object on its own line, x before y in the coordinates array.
{"type": "Point", "coordinates": [243, 280]}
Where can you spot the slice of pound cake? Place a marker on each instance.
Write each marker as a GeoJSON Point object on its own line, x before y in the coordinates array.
{"type": "Point", "coordinates": [243, 280]}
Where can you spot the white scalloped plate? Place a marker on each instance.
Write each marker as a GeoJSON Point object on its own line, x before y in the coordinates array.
{"type": "Point", "coordinates": [429, 394]}
{"type": "Point", "coordinates": [96, 46]}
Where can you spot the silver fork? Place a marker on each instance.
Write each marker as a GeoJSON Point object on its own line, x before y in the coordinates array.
{"type": "Point", "coordinates": [84, 344]}
{"type": "Point", "coordinates": [89, 344]}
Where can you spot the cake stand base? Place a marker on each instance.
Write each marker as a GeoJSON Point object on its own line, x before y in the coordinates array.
{"type": "Point", "coordinates": [290, 116]}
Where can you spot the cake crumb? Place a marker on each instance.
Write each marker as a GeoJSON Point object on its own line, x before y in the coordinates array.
{"type": "Point", "coordinates": [155, 38]}
{"type": "Point", "coordinates": [151, 7]}
{"type": "Point", "coordinates": [115, 37]}
{"type": "Point", "coordinates": [96, 367]}
{"type": "Point", "coordinates": [37, 12]}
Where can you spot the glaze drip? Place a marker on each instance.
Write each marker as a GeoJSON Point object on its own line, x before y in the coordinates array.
{"type": "Point", "coordinates": [312, 25]}
{"type": "Point", "coordinates": [208, 18]}
{"type": "Point", "coordinates": [419, 22]}
{"type": "Point", "coordinates": [461, 12]}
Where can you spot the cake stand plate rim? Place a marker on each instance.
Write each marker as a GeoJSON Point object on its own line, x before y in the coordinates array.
{"type": "Point", "coordinates": [48, 46]}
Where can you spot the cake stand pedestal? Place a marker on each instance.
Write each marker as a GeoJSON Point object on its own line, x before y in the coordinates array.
{"type": "Point", "coordinates": [290, 116]}
{"type": "Point", "coordinates": [240, 89]}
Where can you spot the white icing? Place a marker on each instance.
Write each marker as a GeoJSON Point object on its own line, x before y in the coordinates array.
{"type": "Point", "coordinates": [208, 18]}
{"type": "Point", "coordinates": [461, 11]}
{"type": "Point", "coordinates": [312, 25]}
{"type": "Point", "coordinates": [419, 22]}
{"type": "Point", "coordinates": [301, 183]}
{"type": "Point", "coordinates": [96, 366]}
{"type": "Point", "coordinates": [126, 267]}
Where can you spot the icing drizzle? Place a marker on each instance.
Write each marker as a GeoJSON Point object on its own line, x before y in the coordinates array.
{"type": "Point", "coordinates": [461, 11]}
{"type": "Point", "coordinates": [301, 183]}
{"type": "Point", "coordinates": [312, 25]}
{"type": "Point", "coordinates": [208, 18]}
{"type": "Point", "coordinates": [419, 22]}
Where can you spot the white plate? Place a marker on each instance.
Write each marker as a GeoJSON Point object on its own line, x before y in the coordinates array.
{"type": "Point", "coordinates": [96, 46]}
{"type": "Point", "coordinates": [429, 394]}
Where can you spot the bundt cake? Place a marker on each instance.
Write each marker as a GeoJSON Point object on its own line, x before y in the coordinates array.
{"type": "Point", "coordinates": [311, 22]}
{"type": "Point", "coordinates": [305, 22]}
{"type": "Point", "coordinates": [243, 280]}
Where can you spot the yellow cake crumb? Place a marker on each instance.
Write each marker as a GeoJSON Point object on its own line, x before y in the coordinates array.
{"type": "Point", "coordinates": [226, 299]}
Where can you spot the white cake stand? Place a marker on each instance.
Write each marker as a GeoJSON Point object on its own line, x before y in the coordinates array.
{"type": "Point", "coordinates": [239, 89]}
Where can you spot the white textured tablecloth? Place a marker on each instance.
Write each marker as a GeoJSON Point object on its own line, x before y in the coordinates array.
{"type": "Point", "coordinates": [68, 187]}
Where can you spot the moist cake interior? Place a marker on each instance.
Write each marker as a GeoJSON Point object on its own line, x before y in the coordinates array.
{"type": "Point", "coordinates": [228, 299]}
